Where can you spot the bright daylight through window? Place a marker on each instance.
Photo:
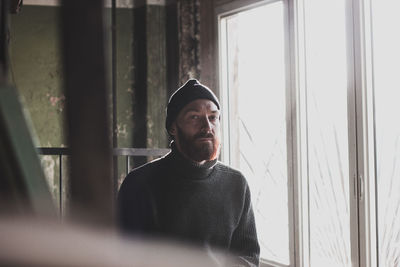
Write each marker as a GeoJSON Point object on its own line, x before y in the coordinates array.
{"type": "Point", "coordinates": [329, 209]}
{"type": "Point", "coordinates": [386, 44]}
{"type": "Point", "coordinates": [311, 92]}
{"type": "Point", "coordinates": [255, 69]}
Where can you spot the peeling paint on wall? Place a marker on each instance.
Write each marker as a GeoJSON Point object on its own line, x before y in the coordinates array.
{"type": "Point", "coordinates": [122, 130]}
{"type": "Point", "coordinates": [49, 165]}
{"type": "Point", "coordinates": [57, 102]}
{"type": "Point", "coordinates": [129, 114]}
{"type": "Point", "coordinates": [189, 39]}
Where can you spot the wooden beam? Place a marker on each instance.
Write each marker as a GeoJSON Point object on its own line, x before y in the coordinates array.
{"type": "Point", "coordinates": [4, 7]}
{"type": "Point", "coordinates": [88, 127]}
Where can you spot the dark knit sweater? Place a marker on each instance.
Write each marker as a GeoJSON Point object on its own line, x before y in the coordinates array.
{"type": "Point", "coordinates": [208, 205]}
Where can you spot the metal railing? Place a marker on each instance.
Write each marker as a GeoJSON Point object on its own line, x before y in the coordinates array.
{"type": "Point", "coordinates": [127, 152]}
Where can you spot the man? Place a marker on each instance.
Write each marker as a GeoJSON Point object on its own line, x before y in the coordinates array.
{"type": "Point", "coordinates": [188, 195]}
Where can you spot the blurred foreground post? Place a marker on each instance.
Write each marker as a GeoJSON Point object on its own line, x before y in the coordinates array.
{"type": "Point", "coordinates": [88, 131]}
{"type": "Point", "coordinates": [3, 40]}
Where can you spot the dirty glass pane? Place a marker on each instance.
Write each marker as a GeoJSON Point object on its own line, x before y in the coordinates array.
{"type": "Point", "coordinates": [254, 46]}
{"type": "Point", "coordinates": [386, 57]}
{"type": "Point", "coordinates": [327, 133]}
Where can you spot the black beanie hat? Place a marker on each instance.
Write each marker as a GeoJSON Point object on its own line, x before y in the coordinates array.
{"type": "Point", "coordinates": [187, 93]}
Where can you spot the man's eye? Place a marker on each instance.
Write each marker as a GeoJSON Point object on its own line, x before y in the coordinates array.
{"type": "Point", "coordinates": [213, 118]}
{"type": "Point", "coordinates": [194, 117]}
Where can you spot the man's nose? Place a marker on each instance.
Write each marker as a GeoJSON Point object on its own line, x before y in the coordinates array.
{"type": "Point", "coordinates": [206, 124]}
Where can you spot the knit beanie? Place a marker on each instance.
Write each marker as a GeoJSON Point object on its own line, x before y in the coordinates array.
{"type": "Point", "coordinates": [190, 91]}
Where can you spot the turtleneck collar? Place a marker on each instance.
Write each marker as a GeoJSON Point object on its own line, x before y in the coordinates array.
{"type": "Point", "coordinates": [187, 168]}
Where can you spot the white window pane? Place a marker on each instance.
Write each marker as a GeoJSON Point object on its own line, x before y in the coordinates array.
{"type": "Point", "coordinates": [326, 61]}
{"type": "Point", "coordinates": [386, 45]}
{"type": "Point", "coordinates": [257, 119]}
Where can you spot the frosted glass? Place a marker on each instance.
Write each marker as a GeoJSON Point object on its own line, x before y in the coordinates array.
{"type": "Point", "coordinates": [386, 44]}
{"type": "Point", "coordinates": [256, 66]}
{"type": "Point", "coordinates": [327, 130]}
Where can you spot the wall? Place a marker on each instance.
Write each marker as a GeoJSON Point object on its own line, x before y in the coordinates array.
{"type": "Point", "coordinates": [37, 69]}
{"type": "Point", "coordinates": [150, 62]}
{"type": "Point", "coordinates": [36, 64]}
{"type": "Point", "coordinates": [37, 72]}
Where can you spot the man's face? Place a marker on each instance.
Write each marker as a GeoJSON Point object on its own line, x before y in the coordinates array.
{"type": "Point", "coordinates": [196, 130]}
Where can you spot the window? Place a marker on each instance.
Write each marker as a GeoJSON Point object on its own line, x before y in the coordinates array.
{"type": "Point", "coordinates": [327, 133]}
{"type": "Point", "coordinates": [310, 91]}
{"type": "Point", "coordinates": [386, 60]}
{"type": "Point", "coordinates": [255, 108]}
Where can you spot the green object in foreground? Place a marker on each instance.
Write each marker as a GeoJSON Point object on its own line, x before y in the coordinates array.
{"type": "Point", "coordinates": [23, 187]}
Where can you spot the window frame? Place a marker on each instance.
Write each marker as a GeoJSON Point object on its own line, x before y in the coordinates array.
{"type": "Point", "coordinates": [231, 9]}
{"type": "Point", "coordinates": [300, 125]}
{"type": "Point", "coordinates": [361, 127]}
{"type": "Point", "coordinates": [365, 123]}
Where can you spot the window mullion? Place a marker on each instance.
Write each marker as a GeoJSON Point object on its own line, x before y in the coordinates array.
{"type": "Point", "coordinates": [299, 131]}
{"type": "Point", "coordinates": [291, 130]}
{"type": "Point", "coordinates": [365, 132]}
{"type": "Point", "coordinates": [353, 83]}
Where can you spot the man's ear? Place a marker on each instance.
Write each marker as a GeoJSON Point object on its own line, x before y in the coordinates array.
{"type": "Point", "coordinates": [172, 130]}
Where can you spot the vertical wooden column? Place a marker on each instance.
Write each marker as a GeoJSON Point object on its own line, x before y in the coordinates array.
{"type": "Point", "coordinates": [140, 91]}
{"type": "Point", "coordinates": [208, 45]}
{"type": "Point", "coordinates": [4, 6]}
{"type": "Point", "coordinates": [189, 39]}
{"type": "Point", "coordinates": [150, 77]}
{"type": "Point", "coordinates": [172, 54]}
{"type": "Point", "coordinates": [114, 91]}
{"type": "Point", "coordinates": [156, 76]}
{"type": "Point", "coordinates": [88, 128]}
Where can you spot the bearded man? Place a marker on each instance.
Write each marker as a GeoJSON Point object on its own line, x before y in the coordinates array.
{"type": "Point", "coordinates": [188, 195]}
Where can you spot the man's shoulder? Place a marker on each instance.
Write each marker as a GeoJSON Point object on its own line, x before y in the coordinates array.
{"type": "Point", "coordinates": [221, 167]}
{"type": "Point", "coordinates": [145, 171]}
{"type": "Point", "coordinates": [148, 167]}
{"type": "Point", "coordinates": [230, 172]}
{"type": "Point", "coordinates": [232, 179]}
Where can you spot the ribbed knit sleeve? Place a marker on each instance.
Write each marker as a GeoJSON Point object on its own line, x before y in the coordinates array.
{"type": "Point", "coordinates": [244, 240]}
{"type": "Point", "coordinates": [134, 212]}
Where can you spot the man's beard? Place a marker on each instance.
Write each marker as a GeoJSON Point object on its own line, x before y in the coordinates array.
{"type": "Point", "coordinates": [198, 151]}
